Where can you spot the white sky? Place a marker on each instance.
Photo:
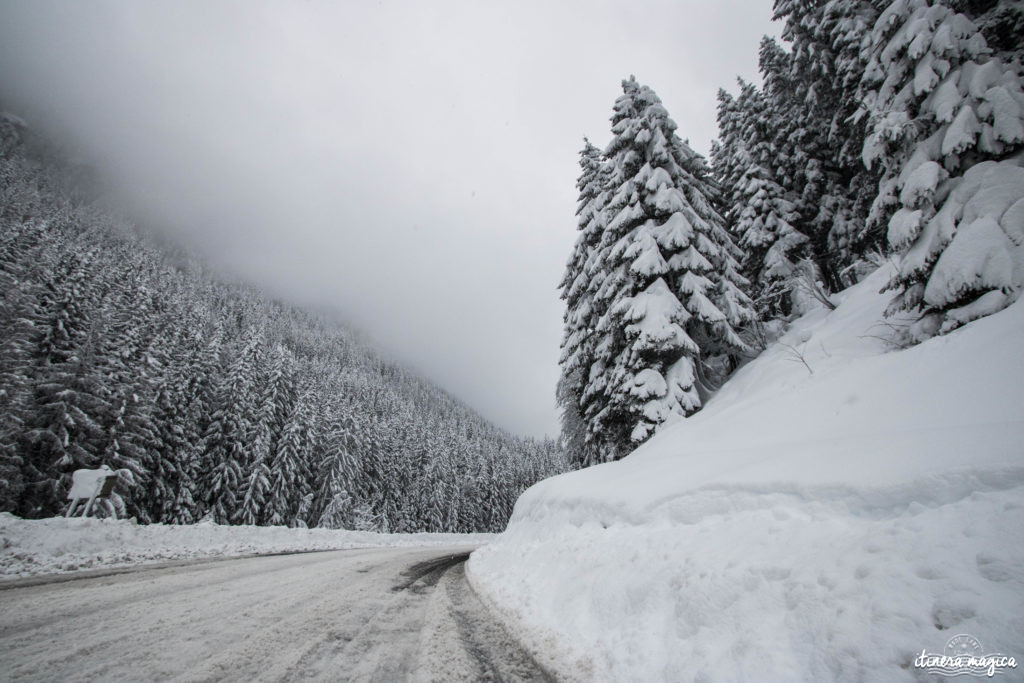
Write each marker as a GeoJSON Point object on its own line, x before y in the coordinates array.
{"type": "Point", "coordinates": [411, 165]}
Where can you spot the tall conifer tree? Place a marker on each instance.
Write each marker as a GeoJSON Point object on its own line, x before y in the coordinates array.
{"type": "Point", "coordinates": [946, 125]}
{"type": "Point", "coordinates": [665, 280]}
{"type": "Point", "coordinates": [581, 312]}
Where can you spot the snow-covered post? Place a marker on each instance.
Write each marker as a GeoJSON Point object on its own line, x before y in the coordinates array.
{"type": "Point", "coordinates": [88, 485]}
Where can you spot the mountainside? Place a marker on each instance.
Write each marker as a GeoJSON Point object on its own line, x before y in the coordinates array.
{"type": "Point", "coordinates": [880, 128]}
{"type": "Point", "coordinates": [836, 509]}
{"type": "Point", "coordinates": [211, 399]}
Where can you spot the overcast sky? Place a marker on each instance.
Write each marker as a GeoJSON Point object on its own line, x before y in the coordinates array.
{"type": "Point", "coordinates": [410, 165]}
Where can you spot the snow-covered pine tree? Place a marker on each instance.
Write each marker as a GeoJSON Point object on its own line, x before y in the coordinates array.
{"type": "Point", "coordinates": [189, 411]}
{"type": "Point", "coordinates": [946, 126]}
{"type": "Point", "coordinates": [64, 430]}
{"type": "Point", "coordinates": [667, 263]}
{"type": "Point", "coordinates": [14, 388]}
{"type": "Point", "coordinates": [823, 70]}
{"type": "Point", "coordinates": [719, 341]}
{"type": "Point", "coordinates": [289, 476]}
{"type": "Point", "coordinates": [1001, 22]}
{"type": "Point", "coordinates": [760, 213]}
{"type": "Point", "coordinates": [129, 361]}
{"type": "Point", "coordinates": [254, 492]}
{"type": "Point", "coordinates": [228, 436]}
{"type": "Point", "coordinates": [16, 304]}
{"type": "Point", "coordinates": [729, 155]}
{"type": "Point", "coordinates": [580, 312]}
{"type": "Point", "coordinates": [798, 158]}
{"type": "Point", "coordinates": [278, 400]}
{"type": "Point", "coordinates": [275, 405]}
{"type": "Point", "coordinates": [171, 491]}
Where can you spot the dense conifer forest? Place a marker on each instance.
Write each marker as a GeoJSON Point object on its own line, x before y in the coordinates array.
{"type": "Point", "coordinates": [210, 399]}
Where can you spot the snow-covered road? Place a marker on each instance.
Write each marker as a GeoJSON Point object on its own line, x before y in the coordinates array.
{"type": "Point", "coordinates": [386, 614]}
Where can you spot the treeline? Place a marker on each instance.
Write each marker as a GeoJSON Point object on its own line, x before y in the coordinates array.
{"type": "Point", "coordinates": [885, 129]}
{"type": "Point", "coordinates": [209, 399]}
{"type": "Point", "coordinates": [863, 129]}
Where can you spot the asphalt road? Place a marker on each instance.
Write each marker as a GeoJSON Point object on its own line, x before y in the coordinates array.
{"type": "Point", "coordinates": [382, 614]}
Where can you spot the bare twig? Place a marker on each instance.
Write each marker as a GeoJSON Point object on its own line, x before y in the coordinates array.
{"type": "Point", "coordinates": [799, 356]}
{"type": "Point", "coordinates": [757, 335]}
{"type": "Point", "coordinates": [899, 339]}
{"type": "Point", "coordinates": [805, 279]}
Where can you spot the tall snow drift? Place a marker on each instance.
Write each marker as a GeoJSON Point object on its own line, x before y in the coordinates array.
{"type": "Point", "coordinates": [836, 509]}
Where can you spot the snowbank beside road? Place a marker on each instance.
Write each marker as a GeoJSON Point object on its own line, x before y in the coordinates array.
{"type": "Point", "coordinates": [55, 545]}
{"type": "Point", "coordinates": [836, 509]}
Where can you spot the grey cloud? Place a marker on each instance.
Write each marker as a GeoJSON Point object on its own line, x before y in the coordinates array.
{"type": "Point", "coordinates": [410, 165]}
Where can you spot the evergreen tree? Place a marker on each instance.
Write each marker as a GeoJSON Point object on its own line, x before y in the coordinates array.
{"type": "Point", "coordinates": [276, 404]}
{"type": "Point", "coordinates": [64, 429]}
{"type": "Point", "coordinates": [760, 213]}
{"type": "Point", "coordinates": [1001, 22]}
{"type": "Point", "coordinates": [667, 263]}
{"type": "Point", "coordinates": [811, 93]}
{"type": "Point", "coordinates": [255, 490]}
{"type": "Point", "coordinates": [795, 141]}
{"type": "Point", "coordinates": [289, 476]}
{"type": "Point", "coordinates": [581, 313]}
{"type": "Point", "coordinates": [15, 388]}
{"type": "Point", "coordinates": [128, 363]}
{"type": "Point", "coordinates": [228, 437]}
{"type": "Point", "coordinates": [946, 123]}
{"type": "Point", "coordinates": [171, 491]}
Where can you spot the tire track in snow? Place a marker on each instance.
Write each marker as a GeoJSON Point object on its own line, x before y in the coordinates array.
{"type": "Point", "coordinates": [386, 614]}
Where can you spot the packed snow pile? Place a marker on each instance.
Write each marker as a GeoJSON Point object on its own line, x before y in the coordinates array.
{"type": "Point", "coordinates": [838, 508]}
{"type": "Point", "coordinates": [55, 545]}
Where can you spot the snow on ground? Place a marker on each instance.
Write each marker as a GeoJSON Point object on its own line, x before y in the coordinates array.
{"type": "Point", "coordinates": [55, 545]}
{"type": "Point", "coordinates": [375, 614]}
{"type": "Point", "coordinates": [818, 521]}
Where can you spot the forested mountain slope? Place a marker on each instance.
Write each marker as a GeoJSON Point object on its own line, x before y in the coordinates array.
{"type": "Point", "coordinates": [209, 398]}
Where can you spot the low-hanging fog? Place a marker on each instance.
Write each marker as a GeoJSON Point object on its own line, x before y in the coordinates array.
{"type": "Point", "coordinates": [410, 165]}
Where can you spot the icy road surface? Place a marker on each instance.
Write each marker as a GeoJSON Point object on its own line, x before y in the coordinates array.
{"type": "Point", "coordinates": [380, 614]}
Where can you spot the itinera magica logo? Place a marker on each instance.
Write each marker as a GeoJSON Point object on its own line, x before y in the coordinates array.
{"type": "Point", "coordinates": [964, 655]}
